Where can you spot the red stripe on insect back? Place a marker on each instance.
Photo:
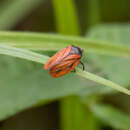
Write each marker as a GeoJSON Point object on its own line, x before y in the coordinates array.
{"type": "Point", "coordinates": [64, 67]}
{"type": "Point", "coordinates": [57, 58]}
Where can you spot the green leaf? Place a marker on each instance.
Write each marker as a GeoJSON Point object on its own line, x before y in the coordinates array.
{"type": "Point", "coordinates": [111, 116]}
{"type": "Point", "coordinates": [22, 53]}
{"type": "Point", "coordinates": [42, 41]}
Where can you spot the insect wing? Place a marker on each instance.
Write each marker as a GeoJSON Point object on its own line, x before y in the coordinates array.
{"type": "Point", "coordinates": [65, 66]}
{"type": "Point", "coordinates": [72, 58]}
{"type": "Point", "coordinates": [57, 58]}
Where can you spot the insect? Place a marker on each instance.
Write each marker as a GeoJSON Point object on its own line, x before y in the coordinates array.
{"type": "Point", "coordinates": [64, 61]}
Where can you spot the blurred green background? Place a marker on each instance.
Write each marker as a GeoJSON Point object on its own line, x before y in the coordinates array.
{"type": "Point", "coordinates": [31, 99]}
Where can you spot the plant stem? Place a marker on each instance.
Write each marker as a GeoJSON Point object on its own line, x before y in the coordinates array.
{"type": "Point", "coordinates": [102, 81]}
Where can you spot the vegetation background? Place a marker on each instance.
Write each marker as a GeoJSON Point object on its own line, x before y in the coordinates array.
{"type": "Point", "coordinates": [31, 99]}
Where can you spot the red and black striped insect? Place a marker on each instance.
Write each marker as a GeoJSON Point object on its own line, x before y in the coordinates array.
{"type": "Point", "coordinates": [64, 61]}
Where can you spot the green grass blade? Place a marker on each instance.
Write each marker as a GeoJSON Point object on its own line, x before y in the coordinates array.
{"type": "Point", "coordinates": [22, 53]}
{"type": "Point", "coordinates": [73, 114]}
{"type": "Point", "coordinates": [41, 41]}
{"type": "Point", "coordinates": [66, 18]}
{"type": "Point", "coordinates": [14, 10]}
{"type": "Point", "coordinates": [32, 56]}
{"type": "Point", "coordinates": [102, 81]}
{"type": "Point", "coordinates": [94, 15]}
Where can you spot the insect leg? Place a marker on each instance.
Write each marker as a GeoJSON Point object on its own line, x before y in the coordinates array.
{"type": "Point", "coordinates": [82, 65]}
{"type": "Point", "coordinates": [74, 70]}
